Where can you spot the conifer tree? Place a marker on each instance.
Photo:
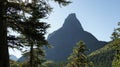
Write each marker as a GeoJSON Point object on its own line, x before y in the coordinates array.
{"type": "Point", "coordinates": [13, 14]}
{"type": "Point", "coordinates": [78, 58]}
{"type": "Point", "coordinates": [38, 30]}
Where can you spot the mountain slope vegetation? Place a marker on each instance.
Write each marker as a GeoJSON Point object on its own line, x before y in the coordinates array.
{"type": "Point", "coordinates": [104, 57]}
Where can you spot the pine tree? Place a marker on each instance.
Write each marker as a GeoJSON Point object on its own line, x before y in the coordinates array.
{"type": "Point", "coordinates": [4, 58]}
{"type": "Point", "coordinates": [78, 58]}
{"type": "Point", "coordinates": [38, 30]}
{"type": "Point", "coordinates": [13, 15]}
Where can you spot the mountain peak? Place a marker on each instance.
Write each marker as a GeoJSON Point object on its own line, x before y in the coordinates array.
{"type": "Point", "coordinates": [72, 15]}
{"type": "Point", "coordinates": [65, 38]}
{"type": "Point", "coordinates": [72, 22]}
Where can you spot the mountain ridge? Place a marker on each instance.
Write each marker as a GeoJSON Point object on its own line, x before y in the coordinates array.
{"type": "Point", "coordinates": [65, 38]}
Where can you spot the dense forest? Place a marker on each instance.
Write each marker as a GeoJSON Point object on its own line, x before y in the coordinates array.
{"type": "Point", "coordinates": [25, 18]}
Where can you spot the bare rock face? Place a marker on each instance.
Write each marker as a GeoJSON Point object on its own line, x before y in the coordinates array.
{"type": "Point", "coordinates": [65, 38]}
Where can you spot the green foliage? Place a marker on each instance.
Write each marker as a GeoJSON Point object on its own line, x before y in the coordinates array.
{"type": "Point", "coordinates": [14, 63]}
{"type": "Point", "coordinates": [116, 33]}
{"type": "Point", "coordinates": [62, 2]}
{"type": "Point", "coordinates": [116, 61]}
{"type": "Point", "coordinates": [58, 64]}
{"type": "Point", "coordinates": [23, 17]}
{"type": "Point", "coordinates": [28, 23]}
{"type": "Point", "coordinates": [78, 58]}
{"type": "Point", "coordinates": [103, 57]}
{"type": "Point", "coordinates": [116, 45]}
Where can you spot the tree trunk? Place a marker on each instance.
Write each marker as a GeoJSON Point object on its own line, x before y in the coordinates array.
{"type": "Point", "coordinates": [4, 57]}
{"type": "Point", "coordinates": [31, 55]}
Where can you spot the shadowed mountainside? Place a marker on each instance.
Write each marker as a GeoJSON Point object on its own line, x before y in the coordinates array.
{"type": "Point", "coordinates": [65, 38]}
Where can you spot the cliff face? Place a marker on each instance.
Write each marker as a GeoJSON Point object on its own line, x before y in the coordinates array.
{"type": "Point", "coordinates": [65, 38]}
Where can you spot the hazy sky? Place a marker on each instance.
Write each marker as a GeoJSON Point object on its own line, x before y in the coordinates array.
{"type": "Point", "coordinates": [98, 17]}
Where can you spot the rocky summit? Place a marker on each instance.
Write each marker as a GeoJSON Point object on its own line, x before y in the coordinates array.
{"type": "Point", "coordinates": [64, 39]}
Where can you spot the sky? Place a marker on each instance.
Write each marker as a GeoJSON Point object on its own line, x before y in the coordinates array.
{"type": "Point", "coordinates": [99, 17]}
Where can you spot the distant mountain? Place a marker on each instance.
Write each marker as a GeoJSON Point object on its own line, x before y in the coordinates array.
{"type": "Point", "coordinates": [12, 57]}
{"type": "Point", "coordinates": [23, 59]}
{"type": "Point", "coordinates": [65, 38]}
